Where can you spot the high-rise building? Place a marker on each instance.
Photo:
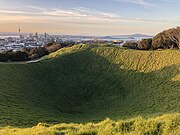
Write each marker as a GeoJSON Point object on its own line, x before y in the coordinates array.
{"type": "Point", "coordinates": [37, 35]}
{"type": "Point", "coordinates": [45, 35]}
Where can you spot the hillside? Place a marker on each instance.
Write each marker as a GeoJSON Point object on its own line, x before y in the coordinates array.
{"type": "Point", "coordinates": [88, 84]}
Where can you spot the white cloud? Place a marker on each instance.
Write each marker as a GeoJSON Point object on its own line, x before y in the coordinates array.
{"type": "Point", "coordinates": [36, 7]}
{"type": "Point", "coordinates": [143, 3]}
{"type": "Point", "coordinates": [11, 12]}
{"type": "Point", "coordinates": [171, 0]}
{"type": "Point", "coordinates": [77, 15]}
{"type": "Point", "coordinates": [88, 15]}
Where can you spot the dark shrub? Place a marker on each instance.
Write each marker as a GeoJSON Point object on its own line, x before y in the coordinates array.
{"type": "Point", "coordinates": [3, 57]}
{"type": "Point", "coordinates": [35, 53]}
{"type": "Point", "coordinates": [19, 56]}
{"type": "Point", "coordinates": [145, 44]}
{"type": "Point", "coordinates": [131, 45]}
{"type": "Point", "coordinates": [52, 47]}
{"type": "Point", "coordinates": [13, 56]}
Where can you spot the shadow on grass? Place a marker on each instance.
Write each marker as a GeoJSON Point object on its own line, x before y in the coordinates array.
{"type": "Point", "coordinates": [83, 87]}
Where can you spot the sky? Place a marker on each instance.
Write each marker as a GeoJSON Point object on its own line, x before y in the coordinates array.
{"type": "Point", "coordinates": [89, 17]}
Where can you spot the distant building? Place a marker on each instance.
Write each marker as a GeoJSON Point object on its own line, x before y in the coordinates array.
{"type": "Point", "coordinates": [37, 35]}
{"type": "Point", "coordinates": [45, 35]}
{"type": "Point", "coordinates": [10, 39]}
{"type": "Point", "coordinates": [21, 37]}
{"type": "Point", "coordinates": [30, 35]}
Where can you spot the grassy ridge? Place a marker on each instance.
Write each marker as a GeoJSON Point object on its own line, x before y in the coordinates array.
{"type": "Point", "coordinates": [89, 83]}
{"type": "Point", "coordinates": [163, 125]}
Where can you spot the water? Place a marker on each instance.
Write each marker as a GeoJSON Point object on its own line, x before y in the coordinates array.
{"type": "Point", "coordinates": [3, 37]}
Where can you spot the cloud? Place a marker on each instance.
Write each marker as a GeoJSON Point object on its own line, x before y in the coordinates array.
{"type": "Point", "coordinates": [143, 3]}
{"type": "Point", "coordinates": [171, 0]}
{"type": "Point", "coordinates": [88, 15]}
{"type": "Point", "coordinates": [11, 12]}
{"type": "Point", "coordinates": [79, 15]}
{"type": "Point", "coordinates": [36, 7]}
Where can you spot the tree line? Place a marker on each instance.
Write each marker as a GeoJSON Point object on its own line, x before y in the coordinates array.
{"type": "Point", "coordinates": [26, 54]}
{"type": "Point", "coordinates": [168, 39]}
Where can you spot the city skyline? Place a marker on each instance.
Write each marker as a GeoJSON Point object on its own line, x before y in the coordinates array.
{"type": "Point", "coordinates": [103, 17]}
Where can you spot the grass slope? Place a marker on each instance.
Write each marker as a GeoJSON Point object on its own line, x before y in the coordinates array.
{"type": "Point", "coordinates": [163, 125]}
{"type": "Point", "coordinates": [89, 83]}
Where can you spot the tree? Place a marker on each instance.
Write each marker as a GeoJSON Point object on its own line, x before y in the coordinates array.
{"type": "Point", "coordinates": [168, 39]}
{"type": "Point", "coordinates": [174, 35]}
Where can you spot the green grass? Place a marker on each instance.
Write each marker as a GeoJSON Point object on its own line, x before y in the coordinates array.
{"type": "Point", "coordinates": [163, 125]}
{"type": "Point", "coordinates": [84, 84]}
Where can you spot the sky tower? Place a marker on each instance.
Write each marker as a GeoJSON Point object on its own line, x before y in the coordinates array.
{"type": "Point", "coordinates": [19, 30]}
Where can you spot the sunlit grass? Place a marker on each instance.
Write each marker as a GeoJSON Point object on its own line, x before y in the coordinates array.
{"type": "Point", "coordinates": [162, 125]}
{"type": "Point", "coordinates": [84, 83]}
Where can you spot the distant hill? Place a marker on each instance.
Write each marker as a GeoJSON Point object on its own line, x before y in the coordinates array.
{"type": "Point", "coordinates": [131, 36]}
{"type": "Point", "coordinates": [139, 35]}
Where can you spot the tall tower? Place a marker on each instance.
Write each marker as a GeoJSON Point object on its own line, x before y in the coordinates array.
{"type": "Point", "coordinates": [19, 30]}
